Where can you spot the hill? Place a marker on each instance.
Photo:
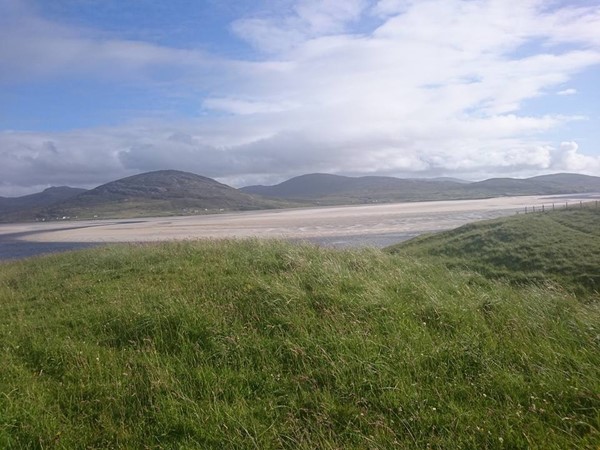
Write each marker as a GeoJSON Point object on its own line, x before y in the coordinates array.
{"type": "Point", "coordinates": [335, 189]}
{"type": "Point", "coordinates": [12, 208]}
{"type": "Point", "coordinates": [164, 192]}
{"type": "Point", "coordinates": [561, 246]}
{"type": "Point", "coordinates": [270, 345]}
{"type": "Point", "coordinates": [561, 183]}
{"type": "Point", "coordinates": [170, 192]}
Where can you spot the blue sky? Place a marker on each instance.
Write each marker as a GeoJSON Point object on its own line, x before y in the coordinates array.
{"type": "Point", "coordinates": [257, 92]}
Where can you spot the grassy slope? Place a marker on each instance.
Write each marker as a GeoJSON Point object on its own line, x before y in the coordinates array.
{"type": "Point", "coordinates": [159, 193]}
{"type": "Point", "coordinates": [269, 345]}
{"type": "Point", "coordinates": [137, 208]}
{"type": "Point", "coordinates": [327, 189]}
{"type": "Point", "coordinates": [561, 246]}
{"type": "Point", "coordinates": [321, 188]}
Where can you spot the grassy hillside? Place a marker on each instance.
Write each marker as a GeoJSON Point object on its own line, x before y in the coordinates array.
{"type": "Point", "coordinates": [322, 188]}
{"type": "Point", "coordinates": [159, 193]}
{"type": "Point", "coordinates": [561, 246]}
{"type": "Point", "coordinates": [558, 183]}
{"type": "Point", "coordinates": [330, 189]}
{"type": "Point", "coordinates": [172, 192]}
{"type": "Point", "coordinates": [269, 345]}
{"type": "Point", "coordinates": [23, 208]}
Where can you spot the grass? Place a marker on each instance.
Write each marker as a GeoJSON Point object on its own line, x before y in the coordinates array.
{"type": "Point", "coordinates": [271, 345]}
{"type": "Point", "coordinates": [560, 246]}
{"type": "Point", "coordinates": [137, 208]}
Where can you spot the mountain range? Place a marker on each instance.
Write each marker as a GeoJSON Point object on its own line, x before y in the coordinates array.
{"type": "Point", "coordinates": [335, 189]}
{"type": "Point", "coordinates": [160, 193]}
{"type": "Point", "coordinates": [14, 208]}
{"type": "Point", "coordinates": [327, 188]}
{"type": "Point", "coordinates": [172, 192]}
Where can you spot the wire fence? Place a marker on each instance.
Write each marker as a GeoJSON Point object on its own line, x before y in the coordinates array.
{"type": "Point", "coordinates": [554, 206]}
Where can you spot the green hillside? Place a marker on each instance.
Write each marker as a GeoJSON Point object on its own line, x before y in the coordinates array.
{"type": "Point", "coordinates": [561, 246]}
{"type": "Point", "coordinates": [246, 345]}
{"type": "Point", "coordinates": [13, 209]}
{"type": "Point", "coordinates": [327, 189]}
{"type": "Point", "coordinates": [322, 188]}
{"type": "Point", "coordinates": [159, 193]}
{"type": "Point", "coordinates": [173, 192]}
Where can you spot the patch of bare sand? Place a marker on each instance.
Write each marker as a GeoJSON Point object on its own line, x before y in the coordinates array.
{"type": "Point", "coordinates": [302, 223]}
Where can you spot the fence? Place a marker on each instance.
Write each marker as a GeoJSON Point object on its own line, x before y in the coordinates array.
{"type": "Point", "coordinates": [554, 206]}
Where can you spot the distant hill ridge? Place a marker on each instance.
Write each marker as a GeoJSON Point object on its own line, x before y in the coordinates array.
{"type": "Point", "coordinates": [335, 188]}
{"type": "Point", "coordinates": [45, 198]}
{"type": "Point", "coordinates": [161, 185]}
{"type": "Point", "coordinates": [163, 192]}
{"type": "Point", "coordinates": [355, 189]}
{"type": "Point", "coordinates": [560, 183]}
{"type": "Point", "coordinates": [174, 192]}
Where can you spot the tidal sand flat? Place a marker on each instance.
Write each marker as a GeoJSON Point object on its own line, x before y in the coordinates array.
{"type": "Point", "coordinates": [342, 226]}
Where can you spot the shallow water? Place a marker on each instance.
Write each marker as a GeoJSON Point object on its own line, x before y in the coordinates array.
{"type": "Point", "coordinates": [23, 249]}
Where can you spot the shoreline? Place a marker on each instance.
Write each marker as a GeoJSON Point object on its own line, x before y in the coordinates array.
{"type": "Point", "coordinates": [338, 226]}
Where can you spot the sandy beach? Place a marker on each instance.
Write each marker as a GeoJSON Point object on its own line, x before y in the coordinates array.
{"type": "Point", "coordinates": [306, 223]}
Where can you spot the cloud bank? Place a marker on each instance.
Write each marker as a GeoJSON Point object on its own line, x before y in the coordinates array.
{"type": "Point", "coordinates": [394, 87]}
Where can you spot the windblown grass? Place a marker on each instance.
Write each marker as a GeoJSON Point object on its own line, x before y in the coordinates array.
{"type": "Point", "coordinates": [269, 345]}
{"type": "Point", "coordinates": [560, 246]}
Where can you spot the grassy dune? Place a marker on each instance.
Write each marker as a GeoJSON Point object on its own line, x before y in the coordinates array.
{"type": "Point", "coordinates": [560, 246]}
{"type": "Point", "coordinates": [270, 345]}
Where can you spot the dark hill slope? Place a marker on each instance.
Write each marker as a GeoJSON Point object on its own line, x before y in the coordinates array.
{"type": "Point", "coordinates": [563, 246]}
{"type": "Point", "coordinates": [560, 183]}
{"type": "Point", "coordinates": [304, 186]}
{"type": "Point", "coordinates": [163, 192]}
{"type": "Point", "coordinates": [44, 198]}
{"type": "Point", "coordinates": [569, 182]}
{"type": "Point", "coordinates": [14, 208]}
{"type": "Point", "coordinates": [335, 189]}
{"type": "Point", "coordinates": [327, 188]}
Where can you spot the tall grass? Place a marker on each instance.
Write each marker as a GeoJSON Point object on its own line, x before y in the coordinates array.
{"type": "Point", "coordinates": [560, 246]}
{"type": "Point", "coordinates": [269, 345]}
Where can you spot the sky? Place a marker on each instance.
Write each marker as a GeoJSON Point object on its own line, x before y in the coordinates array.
{"type": "Point", "coordinates": [259, 91]}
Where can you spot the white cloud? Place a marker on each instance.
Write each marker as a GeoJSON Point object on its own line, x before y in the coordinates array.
{"type": "Point", "coordinates": [244, 107]}
{"type": "Point", "coordinates": [34, 48]}
{"type": "Point", "coordinates": [307, 19]}
{"type": "Point", "coordinates": [435, 88]}
{"type": "Point", "coordinates": [568, 158]}
{"type": "Point", "coordinates": [385, 8]}
{"type": "Point", "coordinates": [569, 91]}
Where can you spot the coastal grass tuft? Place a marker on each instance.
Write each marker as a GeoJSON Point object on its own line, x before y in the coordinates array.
{"type": "Point", "coordinates": [561, 246]}
{"type": "Point", "coordinates": [268, 345]}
